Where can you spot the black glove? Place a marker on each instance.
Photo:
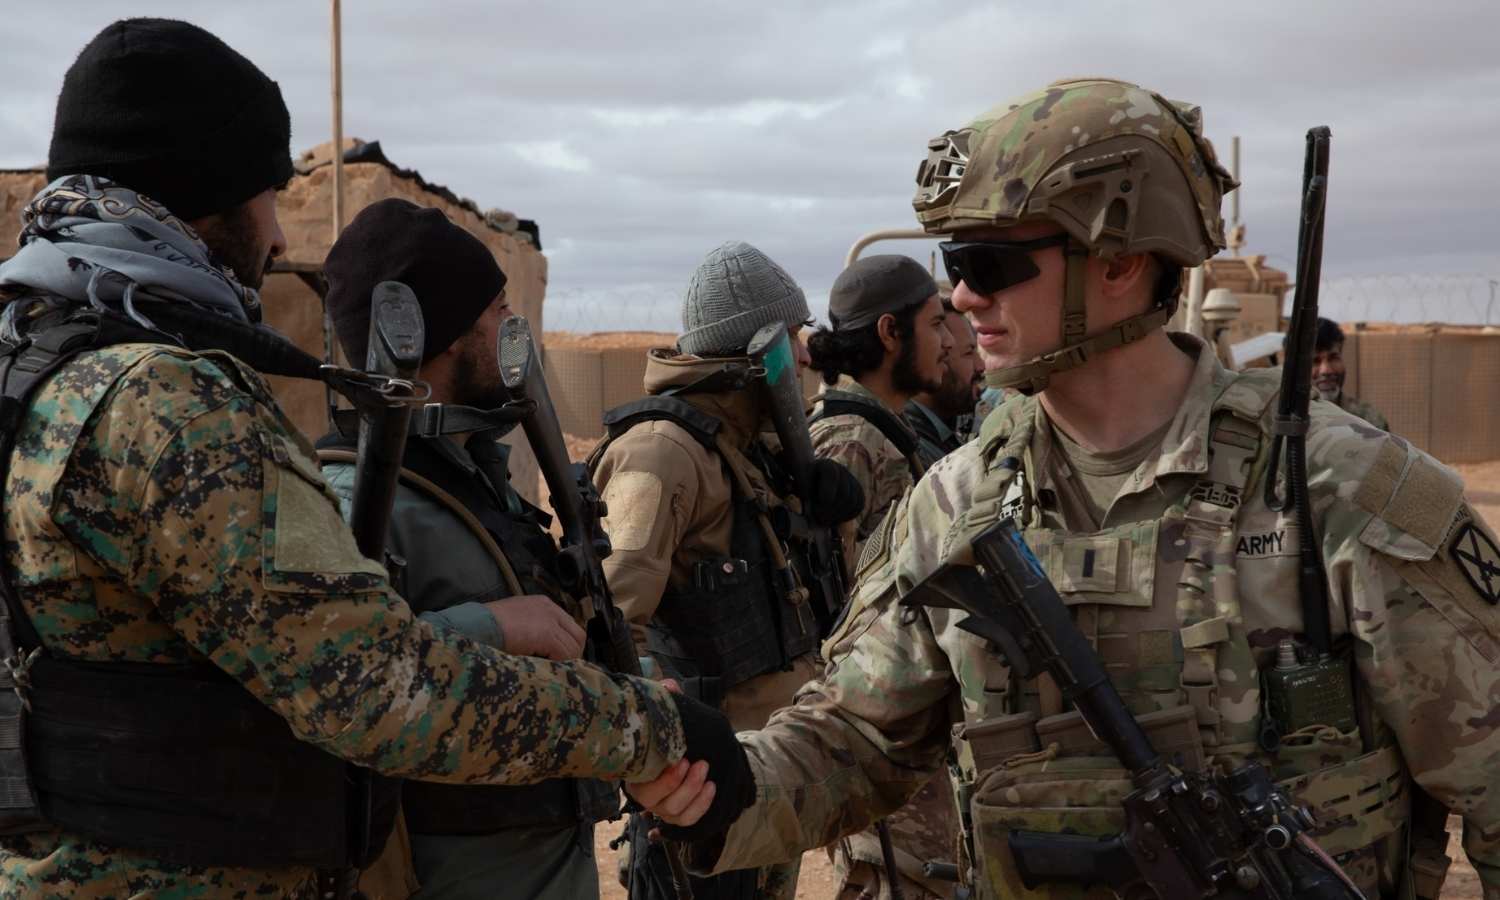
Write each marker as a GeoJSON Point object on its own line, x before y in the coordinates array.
{"type": "Point", "coordinates": [836, 494]}
{"type": "Point", "coordinates": [711, 739]}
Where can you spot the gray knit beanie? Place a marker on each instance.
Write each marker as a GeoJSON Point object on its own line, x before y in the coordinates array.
{"type": "Point", "coordinates": [736, 290]}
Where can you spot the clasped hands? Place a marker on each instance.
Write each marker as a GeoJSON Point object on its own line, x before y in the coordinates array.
{"type": "Point", "coordinates": [690, 804]}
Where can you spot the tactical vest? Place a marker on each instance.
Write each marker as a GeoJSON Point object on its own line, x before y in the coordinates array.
{"type": "Point", "coordinates": [179, 762]}
{"type": "Point", "coordinates": [1158, 600]}
{"type": "Point", "coordinates": [526, 556]}
{"type": "Point", "coordinates": [844, 403]}
{"type": "Point", "coordinates": [744, 614]}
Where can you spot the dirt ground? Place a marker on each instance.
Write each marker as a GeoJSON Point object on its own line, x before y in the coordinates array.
{"type": "Point", "coordinates": [1483, 481]}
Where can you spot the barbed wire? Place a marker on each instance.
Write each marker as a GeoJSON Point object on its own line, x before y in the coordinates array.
{"type": "Point", "coordinates": [1472, 299]}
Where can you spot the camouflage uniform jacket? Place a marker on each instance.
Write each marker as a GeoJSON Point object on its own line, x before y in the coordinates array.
{"type": "Point", "coordinates": [160, 508]}
{"type": "Point", "coordinates": [879, 466]}
{"type": "Point", "coordinates": [670, 506]}
{"type": "Point", "coordinates": [1411, 573]}
{"type": "Point", "coordinates": [1355, 406]}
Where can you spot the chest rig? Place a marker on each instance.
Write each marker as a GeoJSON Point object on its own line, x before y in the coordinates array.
{"type": "Point", "coordinates": [179, 762]}
{"type": "Point", "coordinates": [746, 613]}
{"type": "Point", "coordinates": [1159, 600]}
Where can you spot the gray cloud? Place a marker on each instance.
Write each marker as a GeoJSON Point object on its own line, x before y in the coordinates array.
{"type": "Point", "coordinates": [640, 135]}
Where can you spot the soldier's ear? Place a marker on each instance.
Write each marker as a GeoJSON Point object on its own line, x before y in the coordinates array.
{"type": "Point", "coordinates": [1128, 276]}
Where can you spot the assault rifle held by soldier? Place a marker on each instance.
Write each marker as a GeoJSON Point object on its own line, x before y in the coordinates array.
{"type": "Point", "coordinates": [581, 553]}
{"type": "Point", "coordinates": [1187, 834]}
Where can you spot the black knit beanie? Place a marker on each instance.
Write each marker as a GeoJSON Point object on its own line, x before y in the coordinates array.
{"type": "Point", "coordinates": [170, 111]}
{"type": "Point", "coordinates": [452, 272]}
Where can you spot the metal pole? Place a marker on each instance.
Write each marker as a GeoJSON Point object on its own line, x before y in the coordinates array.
{"type": "Point", "coordinates": [337, 73]}
{"type": "Point", "coordinates": [1234, 169]}
{"type": "Point", "coordinates": [1493, 284]}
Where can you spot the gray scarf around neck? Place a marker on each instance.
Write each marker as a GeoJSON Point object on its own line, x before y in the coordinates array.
{"type": "Point", "coordinates": [86, 240]}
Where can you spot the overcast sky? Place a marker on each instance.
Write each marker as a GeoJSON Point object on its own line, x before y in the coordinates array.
{"type": "Point", "coordinates": [640, 135]}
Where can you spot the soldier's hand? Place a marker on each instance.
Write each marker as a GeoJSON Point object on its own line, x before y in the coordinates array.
{"type": "Point", "coordinates": [680, 795]}
{"type": "Point", "coordinates": [836, 494]}
{"type": "Point", "coordinates": [532, 625]}
{"type": "Point", "coordinates": [690, 806]}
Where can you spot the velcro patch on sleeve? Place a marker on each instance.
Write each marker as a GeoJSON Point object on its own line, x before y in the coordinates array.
{"type": "Point", "coordinates": [631, 499]}
{"type": "Point", "coordinates": [1419, 505]}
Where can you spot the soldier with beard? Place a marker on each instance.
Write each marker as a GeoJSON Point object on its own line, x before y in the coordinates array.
{"type": "Point", "coordinates": [203, 653]}
{"type": "Point", "coordinates": [477, 557]}
{"type": "Point", "coordinates": [1328, 375]}
{"type": "Point", "coordinates": [886, 343]}
{"type": "Point", "coordinates": [943, 419]}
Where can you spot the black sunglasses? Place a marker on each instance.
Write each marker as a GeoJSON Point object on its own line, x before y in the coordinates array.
{"type": "Point", "coordinates": [991, 266]}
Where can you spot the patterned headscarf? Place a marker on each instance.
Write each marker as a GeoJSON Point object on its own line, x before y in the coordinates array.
{"type": "Point", "coordinates": [88, 241]}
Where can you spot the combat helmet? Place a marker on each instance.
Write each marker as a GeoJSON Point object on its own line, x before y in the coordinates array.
{"type": "Point", "coordinates": [1121, 169]}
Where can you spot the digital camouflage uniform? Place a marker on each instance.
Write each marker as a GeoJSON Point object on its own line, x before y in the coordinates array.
{"type": "Point", "coordinates": [1412, 574]}
{"type": "Point", "coordinates": [161, 508]}
{"type": "Point", "coordinates": [1355, 406]}
{"type": "Point", "coordinates": [470, 843]}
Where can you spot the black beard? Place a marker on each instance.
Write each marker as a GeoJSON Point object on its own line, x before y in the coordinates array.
{"type": "Point", "coordinates": [904, 375]}
{"type": "Point", "coordinates": [232, 242]}
{"type": "Point", "coordinates": [954, 399]}
{"type": "Point", "coordinates": [476, 384]}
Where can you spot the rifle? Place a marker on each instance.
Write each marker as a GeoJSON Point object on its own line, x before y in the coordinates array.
{"type": "Point", "coordinates": [1187, 834]}
{"type": "Point", "coordinates": [395, 352]}
{"type": "Point", "coordinates": [770, 352]}
{"type": "Point", "coordinates": [396, 342]}
{"type": "Point", "coordinates": [584, 545]}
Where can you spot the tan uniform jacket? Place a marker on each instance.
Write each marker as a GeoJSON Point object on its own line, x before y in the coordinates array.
{"type": "Point", "coordinates": [1414, 579]}
{"type": "Point", "coordinates": [670, 505]}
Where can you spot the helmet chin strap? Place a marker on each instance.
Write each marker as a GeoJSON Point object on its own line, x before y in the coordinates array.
{"type": "Point", "coordinates": [1032, 376]}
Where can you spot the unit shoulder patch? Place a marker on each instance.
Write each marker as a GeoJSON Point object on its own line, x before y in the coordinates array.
{"type": "Point", "coordinates": [1477, 557]}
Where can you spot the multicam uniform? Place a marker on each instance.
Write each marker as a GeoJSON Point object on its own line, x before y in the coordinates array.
{"type": "Point", "coordinates": [1185, 599]}
{"type": "Point", "coordinates": [924, 829]}
{"type": "Point", "coordinates": [882, 467]}
{"type": "Point", "coordinates": [161, 509]}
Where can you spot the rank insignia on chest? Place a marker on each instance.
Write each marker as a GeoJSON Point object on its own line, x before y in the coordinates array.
{"type": "Point", "coordinates": [1479, 559]}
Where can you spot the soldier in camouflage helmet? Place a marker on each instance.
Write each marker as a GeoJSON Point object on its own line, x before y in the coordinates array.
{"type": "Point", "coordinates": [204, 653]}
{"type": "Point", "coordinates": [1134, 463]}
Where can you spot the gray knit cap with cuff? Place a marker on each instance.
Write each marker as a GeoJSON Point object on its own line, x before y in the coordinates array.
{"type": "Point", "coordinates": [875, 285]}
{"type": "Point", "coordinates": [736, 291]}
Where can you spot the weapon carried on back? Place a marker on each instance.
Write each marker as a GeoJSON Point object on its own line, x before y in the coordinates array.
{"type": "Point", "coordinates": [1187, 834]}
{"type": "Point", "coordinates": [397, 339]}
{"type": "Point", "coordinates": [582, 551]}
{"type": "Point", "coordinates": [770, 352]}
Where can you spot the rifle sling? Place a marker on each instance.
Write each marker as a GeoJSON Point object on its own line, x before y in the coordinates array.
{"type": "Point", "coordinates": [448, 502]}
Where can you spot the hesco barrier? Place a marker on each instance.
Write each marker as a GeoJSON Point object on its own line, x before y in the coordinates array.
{"type": "Point", "coordinates": [1436, 385]}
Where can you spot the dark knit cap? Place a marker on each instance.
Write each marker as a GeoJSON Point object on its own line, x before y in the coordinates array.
{"type": "Point", "coordinates": [874, 286]}
{"type": "Point", "coordinates": [453, 274]}
{"type": "Point", "coordinates": [170, 111]}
